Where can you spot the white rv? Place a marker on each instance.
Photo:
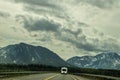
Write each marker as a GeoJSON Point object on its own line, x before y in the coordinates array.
{"type": "Point", "coordinates": [64, 70]}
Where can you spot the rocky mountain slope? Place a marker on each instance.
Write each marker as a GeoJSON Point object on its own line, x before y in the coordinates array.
{"type": "Point", "coordinates": [27, 54]}
{"type": "Point", "coordinates": [107, 60]}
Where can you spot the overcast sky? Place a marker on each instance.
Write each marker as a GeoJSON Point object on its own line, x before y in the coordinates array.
{"type": "Point", "coordinates": [67, 27]}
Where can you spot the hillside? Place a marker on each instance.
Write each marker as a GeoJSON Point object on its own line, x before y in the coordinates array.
{"type": "Point", "coordinates": [28, 54]}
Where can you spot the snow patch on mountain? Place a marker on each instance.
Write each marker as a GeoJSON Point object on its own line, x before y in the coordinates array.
{"type": "Point", "coordinates": [106, 60]}
{"type": "Point", "coordinates": [28, 54]}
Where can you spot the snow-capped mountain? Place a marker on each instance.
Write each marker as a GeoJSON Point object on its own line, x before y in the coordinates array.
{"type": "Point", "coordinates": [27, 54]}
{"type": "Point", "coordinates": [107, 60]}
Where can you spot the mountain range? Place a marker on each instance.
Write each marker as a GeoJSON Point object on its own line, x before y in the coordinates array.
{"type": "Point", "coordinates": [106, 60]}
{"type": "Point", "coordinates": [23, 53]}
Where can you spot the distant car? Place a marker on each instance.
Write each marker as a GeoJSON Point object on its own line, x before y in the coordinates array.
{"type": "Point", "coordinates": [64, 70]}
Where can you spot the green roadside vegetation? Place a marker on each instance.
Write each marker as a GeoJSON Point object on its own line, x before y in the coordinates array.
{"type": "Point", "coordinates": [13, 70]}
{"type": "Point", "coordinates": [19, 68]}
{"type": "Point", "coordinates": [107, 72]}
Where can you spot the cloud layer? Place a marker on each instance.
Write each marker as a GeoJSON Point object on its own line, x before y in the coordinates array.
{"type": "Point", "coordinates": [68, 27]}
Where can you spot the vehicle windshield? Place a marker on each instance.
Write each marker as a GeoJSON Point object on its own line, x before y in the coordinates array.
{"type": "Point", "coordinates": [63, 69]}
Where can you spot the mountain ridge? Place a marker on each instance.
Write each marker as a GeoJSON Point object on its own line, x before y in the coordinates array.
{"type": "Point", "coordinates": [105, 60]}
{"type": "Point", "coordinates": [23, 53]}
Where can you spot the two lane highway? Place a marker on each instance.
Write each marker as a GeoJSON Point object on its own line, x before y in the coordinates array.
{"type": "Point", "coordinates": [48, 76]}
{"type": "Point", "coordinates": [67, 77]}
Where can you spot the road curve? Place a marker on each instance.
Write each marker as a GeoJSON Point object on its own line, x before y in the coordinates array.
{"type": "Point", "coordinates": [48, 76]}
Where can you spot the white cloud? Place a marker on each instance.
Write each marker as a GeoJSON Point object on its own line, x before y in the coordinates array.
{"type": "Point", "coordinates": [76, 27]}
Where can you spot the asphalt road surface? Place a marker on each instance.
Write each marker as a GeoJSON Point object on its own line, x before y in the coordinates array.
{"type": "Point", "coordinates": [48, 76]}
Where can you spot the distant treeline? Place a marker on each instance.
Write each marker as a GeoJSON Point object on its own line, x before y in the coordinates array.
{"type": "Point", "coordinates": [107, 72]}
{"type": "Point", "coordinates": [71, 70]}
{"type": "Point", "coordinates": [31, 67]}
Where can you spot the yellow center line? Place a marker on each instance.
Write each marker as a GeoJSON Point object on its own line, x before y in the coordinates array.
{"type": "Point", "coordinates": [73, 78]}
{"type": "Point", "coordinates": [51, 77]}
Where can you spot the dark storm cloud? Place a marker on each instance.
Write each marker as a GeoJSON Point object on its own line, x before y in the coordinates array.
{"type": "Point", "coordinates": [42, 3]}
{"type": "Point", "coordinates": [43, 11]}
{"type": "Point", "coordinates": [43, 24]}
{"type": "Point", "coordinates": [38, 24]}
{"type": "Point", "coordinates": [80, 43]}
{"type": "Point", "coordinates": [44, 7]}
{"type": "Point", "coordinates": [75, 37]}
{"type": "Point", "coordinates": [104, 4]}
{"type": "Point", "coordinates": [4, 14]}
{"type": "Point", "coordinates": [88, 47]}
{"type": "Point", "coordinates": [83, 42]}
{"type": "Point", "coordinates": [75, 33]}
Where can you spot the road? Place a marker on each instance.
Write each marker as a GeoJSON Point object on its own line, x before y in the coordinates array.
{"type": "Point", "coordinates": [48, 76]}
